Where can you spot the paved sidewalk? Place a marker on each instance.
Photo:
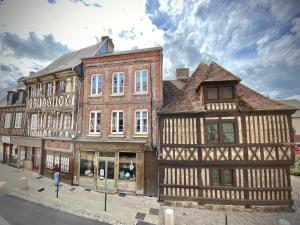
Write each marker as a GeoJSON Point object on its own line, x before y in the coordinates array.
{"type": "Point", "coordinates": [76, 200]}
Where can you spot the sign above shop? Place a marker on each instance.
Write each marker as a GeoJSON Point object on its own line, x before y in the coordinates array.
{"type": "Point", "coordinates": [5, 139]}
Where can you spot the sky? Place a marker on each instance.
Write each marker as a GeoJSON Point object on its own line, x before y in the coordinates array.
{"type": "Point", "coordinates": [257, 40]}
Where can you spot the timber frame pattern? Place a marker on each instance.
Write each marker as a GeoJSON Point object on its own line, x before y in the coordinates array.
{"type": "Point", "coordinates": [259, 158]}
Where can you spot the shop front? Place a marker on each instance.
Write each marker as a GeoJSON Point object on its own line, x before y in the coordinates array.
{"type": "Point", "coordinates": [111, 167]}
{"type": "Point", "coordinates": [27, 152]}
{"type": "Point", "coordinates": [9, 152]}
{"type": "Point", "coordinates": [60, 153]}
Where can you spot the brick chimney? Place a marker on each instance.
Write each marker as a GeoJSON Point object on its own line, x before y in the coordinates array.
{"type": "Point", "coordinates": [110, 44]}
{"type": "Point", "coordinates": [182, 74]}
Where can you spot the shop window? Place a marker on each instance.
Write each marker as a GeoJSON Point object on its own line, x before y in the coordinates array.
{"type": "Point", "coordinates": [49, 161]}
{"type": "Point", "coordinates": [127, 166]}
{"type": "Point", "coordinates": [110, 170]}
{"type": "Point", "coordinates": [64, 164]}
{"type": "Point", "coordinates": [222, 177]}
{"type": "Point", "coordinates": [87, 164]}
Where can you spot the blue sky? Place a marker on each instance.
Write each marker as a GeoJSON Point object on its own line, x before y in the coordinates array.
{"type": "Point", "coordinates": [257, 40]}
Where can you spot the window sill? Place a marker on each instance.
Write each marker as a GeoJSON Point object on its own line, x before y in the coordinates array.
{"type": "Point", "coordinates": [141, 93]}
{"type": "Point", "coordinates": [140, 135]}
{"type": "Point", "coordinates": [117, 95]}
{"type": "Point", "coordinates": [116, 135]}
{"type": "Point", "coordinates": [93, 135]}
{"type": "Point", "coordinates": [95, 96]}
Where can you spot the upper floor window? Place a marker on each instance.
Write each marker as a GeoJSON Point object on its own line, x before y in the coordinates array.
{"type": "Point", "coordinates": [95, 120]}
{"type": "Point", "coordinates": [34, 121]}
{"type": "Point", "coordinates": [67, 121]}
{"type": "Point", "coordinates": [141, 81]}
{"type": "Point", "coordinates": [7, 120]}
{"type": "Point", "coordinates": [141, 121]}
{"type": "Point", "coordinates": [220, 132]}
{"type": "Point", "coordinates": [117, 122]}
{"type": "Point", "coordinates": [219, 93]}
{"type": "Point", "coordinates": [49, 89]}
{"type": "Point", "coordinates": [32, 91]}
{"type": "Point", "coordinates": [222, 177]}
{"type": "Point", "coordinates": [18, 121]}
{"type": "Point", "coordinates": [118, 83]}
{"type": "Point", "coordinates": [60, 87]}
{"type": "Point", "coordinates": [96, 84]}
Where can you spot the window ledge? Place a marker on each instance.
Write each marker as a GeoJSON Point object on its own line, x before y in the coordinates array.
{"type": "Point", "coordinates": [140, 135]}
{"type": "Point", "coordinates": [117, 95]}
{"type": "Point", "coordinates": [95, 96]}
{"type": "Point", "coordinates": [140, 93]}
{"type": "Point", "coordinates": [93, 135]}
{"type": "Point", "coordinates": [116, 135]}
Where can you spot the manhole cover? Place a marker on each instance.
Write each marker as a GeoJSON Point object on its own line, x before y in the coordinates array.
{"type": "Point", "coordinates": [140, 216]}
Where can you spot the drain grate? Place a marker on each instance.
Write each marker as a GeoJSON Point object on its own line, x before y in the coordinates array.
{"type": "Point", "coordinates": [122, 194]}
{"type": "Point", "coordinates": [72, 189]}
{"type": "Point", "coordinates": [153, 211]}
{"type": "Point", "coordinates": [144, 223]}
{"type": "Point", "coordinates": [87, 189]}
{"type": "Point", "coordinates": [39, 177]}
{"type": "Point", "coordinates": [140, 216]}
{"type": "Point", "coordinates": [41, 189]}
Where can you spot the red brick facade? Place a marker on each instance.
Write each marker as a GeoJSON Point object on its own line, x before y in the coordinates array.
{"type": "Point", "coordinates": [130, 101]}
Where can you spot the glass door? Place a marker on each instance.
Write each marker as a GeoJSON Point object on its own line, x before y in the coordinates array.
{"type": "Point", "coordinates": [106, 173]}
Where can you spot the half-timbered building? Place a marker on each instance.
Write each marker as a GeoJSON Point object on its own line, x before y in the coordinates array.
{"type": "Point", "coordinates": [53, 105]}
{"type": "Point", "coordinates": [222, 143]}
{"type": "Point", "coordinates": [122, 93]}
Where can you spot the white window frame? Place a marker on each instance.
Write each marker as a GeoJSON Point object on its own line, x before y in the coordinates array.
{"type": "Point", "coordinates": [118, 74]}
{"type": "Point", "coordinates": [7, 122]}
{"type": "Point", "coordinates": [97, 83]}
{"type": "Point", "coordinates": [67, 121]}
{"type": "Point", "coordinates": [18, 120]}
{"type": "Point", "coordinates": [141, 82]}
{"type": "Point", "coordinates": [95, 122]}
{"type": "Point", "coordinates": [49, 89]}
{"type": "Point", "coordinates": [34, 126]}
{"type": "Point", "coordinates": [141, 121]}
{"type": "Point", "coordinates": [117, 121]}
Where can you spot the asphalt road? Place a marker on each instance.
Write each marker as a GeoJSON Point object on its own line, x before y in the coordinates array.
{"type": "Point", "coordinates": [16, 211]}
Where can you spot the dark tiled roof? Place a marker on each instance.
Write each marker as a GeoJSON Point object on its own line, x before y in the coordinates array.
{"type": "Point", "coordinates": [66, 61]}
{"type": "Point", "coordinates": [294, 103]}
{"type": "Point", "coordinates": [187, 99]}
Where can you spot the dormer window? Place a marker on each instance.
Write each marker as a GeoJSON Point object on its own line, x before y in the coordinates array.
{"type": "Point", "coordinates": [219, 93]}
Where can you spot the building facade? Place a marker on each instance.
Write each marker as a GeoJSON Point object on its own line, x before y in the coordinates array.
{"type": "Point", "coordinates": [121, 95]}
{"type": "Point", "coordinates": [223, 143]}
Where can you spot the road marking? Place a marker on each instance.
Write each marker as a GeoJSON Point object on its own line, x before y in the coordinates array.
{"type": "Point", "coordinates": [2, 183]}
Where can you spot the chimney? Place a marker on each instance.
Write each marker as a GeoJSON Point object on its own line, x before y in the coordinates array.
{"type": "Point", "coordinates": [182, 74]}
{"type": "Point", "coordinates": [110, 44]}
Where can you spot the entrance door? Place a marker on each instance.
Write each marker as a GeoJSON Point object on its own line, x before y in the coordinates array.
{"type": "Point", "coordinates": [35, 158]}
{"type": "Point", "coordinates": [106, 173]}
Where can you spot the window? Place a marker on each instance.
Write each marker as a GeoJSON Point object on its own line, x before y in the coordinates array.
{"type": "Point", "coordinates": [228, 132]}
{"type": "Point", "coordinates": [222, 177]}
{"type": "Point", "coordinates": [141, 121]}
{"type": "Point", "coordinates": [87, 164]}
{"type": "Point", "coordinates": [67, 121]}
{"type": "Point", "coordinates": [60, 87]}
{"type": "Point", "coordinates": [117, 121]}
{"type": "Point", "coordinates": [118, 83]}
{"type": "Point", "coordinates": [219, 93]}
{"type": "Point", "coordinates": [64, 164]}
{"type": "Point", "coordinates": [33, 121]}
{"type": "Point", "coordinates": [141, 81]}
{"type": "Point", "coordinates": [95, 119]}
{"type": "Point", "coordinates": [49, 161]}
{"type": "Point", "coordinates": [18, 121]}
{"type": "Point", "coordinates": [212, 93]}
{"type": "Point", "coordinates": [32, 91]}
{"type": "Point", "coordinates": [49, 124]}
{"type": "Point", "coordinates": [7, 120]}
{"type": "Point", "coordinates": [49, 89]}
{"type": "Point", "coordinates": [227, 92]}
{"type": "Point", "coordinates": [127, 166]}
{"type": "Point", "coordinates": [96, 83]}
{"type": "Point", "coordinates": [220, 132]}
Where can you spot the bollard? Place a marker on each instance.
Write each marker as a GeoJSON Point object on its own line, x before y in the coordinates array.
{"type": "Point", "coordinates": [25, 179]}
{"type": "Point", "coordinates": [169, 217]}
{"type": "Point", "coordinates": [226, 222]}
{"type": "Point", "coordinates": [105, 202]}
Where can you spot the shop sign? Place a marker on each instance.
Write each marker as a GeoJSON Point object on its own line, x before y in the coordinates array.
{"type": "Point", "coordinates": [6, 139]}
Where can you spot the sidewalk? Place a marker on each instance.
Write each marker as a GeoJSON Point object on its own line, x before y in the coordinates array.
{"type": "Point", "coordinates": [123, 210]}
{"type": "Point", "coordinates": [76, 200]}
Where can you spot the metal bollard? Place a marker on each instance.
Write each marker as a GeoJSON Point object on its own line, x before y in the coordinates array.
{"type": "Point", "coordinates": [105, 199]}
{"type": "Point", "coordinates": [25, 180]}
{"type": "Point", "coordinates": [169, 217]}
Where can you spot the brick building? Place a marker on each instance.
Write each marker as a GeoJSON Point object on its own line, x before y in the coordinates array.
{"type": "Point", "coordinates": [121, 93]}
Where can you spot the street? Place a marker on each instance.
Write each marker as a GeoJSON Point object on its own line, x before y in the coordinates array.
{"type": "Point", "coordinates": [16, 211]}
